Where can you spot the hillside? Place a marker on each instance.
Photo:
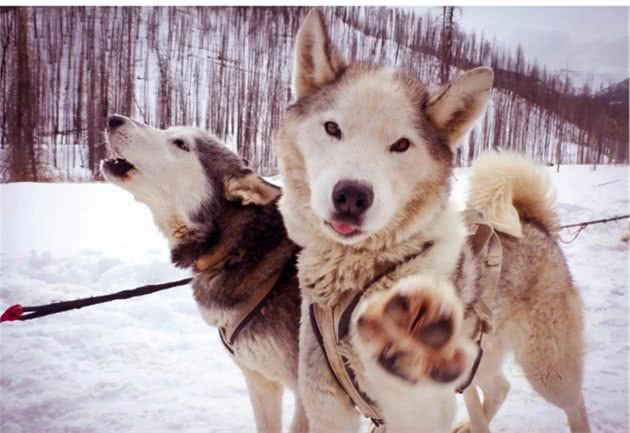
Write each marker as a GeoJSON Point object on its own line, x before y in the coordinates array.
{"type": "Point", "coordinates": [228, 69]}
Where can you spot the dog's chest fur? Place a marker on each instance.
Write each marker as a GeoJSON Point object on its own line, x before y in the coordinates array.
{"type": "Point", "coordinates": [326, 274]}
{"type": "Point", "coordinates": [327, 270]}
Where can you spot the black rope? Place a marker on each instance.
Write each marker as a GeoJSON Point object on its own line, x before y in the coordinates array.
{"type": "Point", "coordinates": [58, 307]}
{"type": "Point", "coordinates": [581, 226]}
{"type": "Point", "coordinates": [15, 312]}
{"type": "Point", "coordinates": [599, 221]}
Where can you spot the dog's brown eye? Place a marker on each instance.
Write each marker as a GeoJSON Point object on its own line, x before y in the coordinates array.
{"type": "Point", "coordinates": [401, 145]}
{"type": "Point", "coordinates": [181, 144]}
{"type": "Point", "coordinates": [332, 129]}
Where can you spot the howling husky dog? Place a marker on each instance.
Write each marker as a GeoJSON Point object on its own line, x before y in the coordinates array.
{"type": "Point", "coordinates": [221, 220]}
{"type": "Point", "coordinates": [389, 278]}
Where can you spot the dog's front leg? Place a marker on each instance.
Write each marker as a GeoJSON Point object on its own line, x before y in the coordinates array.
{"type": "Point", "coordinates": [266, 398]}
{"type": "Point", "coordinates": [410, 341]}
{"type": "Point", "coordinates": [328, 407]}
{"type": "Point", "coordinates": [477, 422]}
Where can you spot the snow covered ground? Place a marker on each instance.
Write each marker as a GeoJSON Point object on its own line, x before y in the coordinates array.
{"type": "Point", "coordinates": [151, 364]}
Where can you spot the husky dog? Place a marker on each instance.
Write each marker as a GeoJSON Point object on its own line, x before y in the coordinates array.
{"type": "Point", "coordinates": [366, 157]}
{"type": "Point", "coordinates": [222, 221]}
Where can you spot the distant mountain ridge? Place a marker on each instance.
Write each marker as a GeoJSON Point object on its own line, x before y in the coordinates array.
{"type": "Point", "coordinates": [615, 94]}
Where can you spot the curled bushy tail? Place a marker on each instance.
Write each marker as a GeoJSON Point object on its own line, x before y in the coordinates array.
{"type": "Point", "coordinates": [508, 187]}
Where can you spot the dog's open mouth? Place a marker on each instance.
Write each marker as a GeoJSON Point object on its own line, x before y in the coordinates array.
{"type": "Point", "coordinates": [344, 228]}
{"type": "Point", "coordinates": [118, 167]}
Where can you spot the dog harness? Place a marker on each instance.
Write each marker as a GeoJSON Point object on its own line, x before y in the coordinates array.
{"type": "Point", "coordinates": [332, 324]}
{"type": "Point", "coordinates": [214, 263]}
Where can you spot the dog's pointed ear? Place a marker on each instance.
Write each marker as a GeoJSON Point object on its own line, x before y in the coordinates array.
{"type": "Point", "coordinates": [454, 108]}
{"type": "Point", "coordinates": [249, 188]}
{"type": "Point", "coordinates": [317, 61]}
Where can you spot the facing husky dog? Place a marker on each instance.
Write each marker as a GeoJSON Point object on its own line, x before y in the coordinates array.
{"type": "Point", "coordinates": [392, 285]}
{"type": "Point", "coordinates": [221, 220]}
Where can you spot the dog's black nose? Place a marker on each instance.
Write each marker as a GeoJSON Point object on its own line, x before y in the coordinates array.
{"type": "Point", "coordinates": [115, 121]}
{"type": "Point", "coordinates": [352, 198]}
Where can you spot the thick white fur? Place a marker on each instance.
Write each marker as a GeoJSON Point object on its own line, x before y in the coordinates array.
{"type": "Point", "coordinates": [508, 187]}
{"type": "Point", "coordinates": [540, 322]}
{"type": "Point", "coordinates": [542, 329]}
{"type": "Point", "coordinates": [363, 153]}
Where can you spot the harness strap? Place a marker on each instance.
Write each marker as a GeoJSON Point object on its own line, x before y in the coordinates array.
{"type": "Point", "coordinates": [324, 321]}
{"type": "Point", "coordinates": [214, 262]}
{"type": "Point", "coordinates": [245, 311]}
{"type": "Point", "coordinates": [474, 368]}
{"type": "Point", "coordinates": [224, 342]}
{"type": "Point", "coordinates": [483, 238]}
{"type": "Point", "coordinates": [485, 242]}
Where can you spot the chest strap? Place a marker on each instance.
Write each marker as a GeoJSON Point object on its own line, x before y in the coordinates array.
{"type": "Point", "coordinates": [485, 242]}
{"type": "Point", "coordinates": [325, 322]}
{"type": "Point", "coordinates": [243, 312]}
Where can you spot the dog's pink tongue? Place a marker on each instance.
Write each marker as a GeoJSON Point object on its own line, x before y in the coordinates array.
{"type": "Point", "coordinates": [343, 228]}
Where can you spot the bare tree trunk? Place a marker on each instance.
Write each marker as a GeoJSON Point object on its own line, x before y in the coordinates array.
{"type": "Point", "coordinates": [92, 97]}
{"type": "Point", "coordinates": [24, 162]}
{"type": "Point", "coordinates": [447, 43]}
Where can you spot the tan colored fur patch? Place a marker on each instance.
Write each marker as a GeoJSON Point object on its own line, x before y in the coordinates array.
{"type": "Point", "coordinates": [508, 187]}
{"type": "Point", "coordinates": [251, 189]}
{"type": "Point", "coordinates": [179, 230]}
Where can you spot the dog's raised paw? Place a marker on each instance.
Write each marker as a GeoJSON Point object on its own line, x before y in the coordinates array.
{"type": "Point", "coordinates": [410, 333]}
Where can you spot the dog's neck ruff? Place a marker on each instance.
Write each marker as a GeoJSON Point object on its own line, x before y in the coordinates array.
{"type": "Point", "coordinates": [331, 323]}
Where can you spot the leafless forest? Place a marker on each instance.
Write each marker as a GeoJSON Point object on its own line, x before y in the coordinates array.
{"type": "Point", "coordinates": [63, 69]}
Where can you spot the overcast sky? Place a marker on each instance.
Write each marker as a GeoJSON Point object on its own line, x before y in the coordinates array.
{"type": "Point", "coordinates": [585, 39]}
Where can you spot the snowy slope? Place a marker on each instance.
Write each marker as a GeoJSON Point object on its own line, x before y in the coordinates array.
{"type": "Point", "coordinates": [152, 365]}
